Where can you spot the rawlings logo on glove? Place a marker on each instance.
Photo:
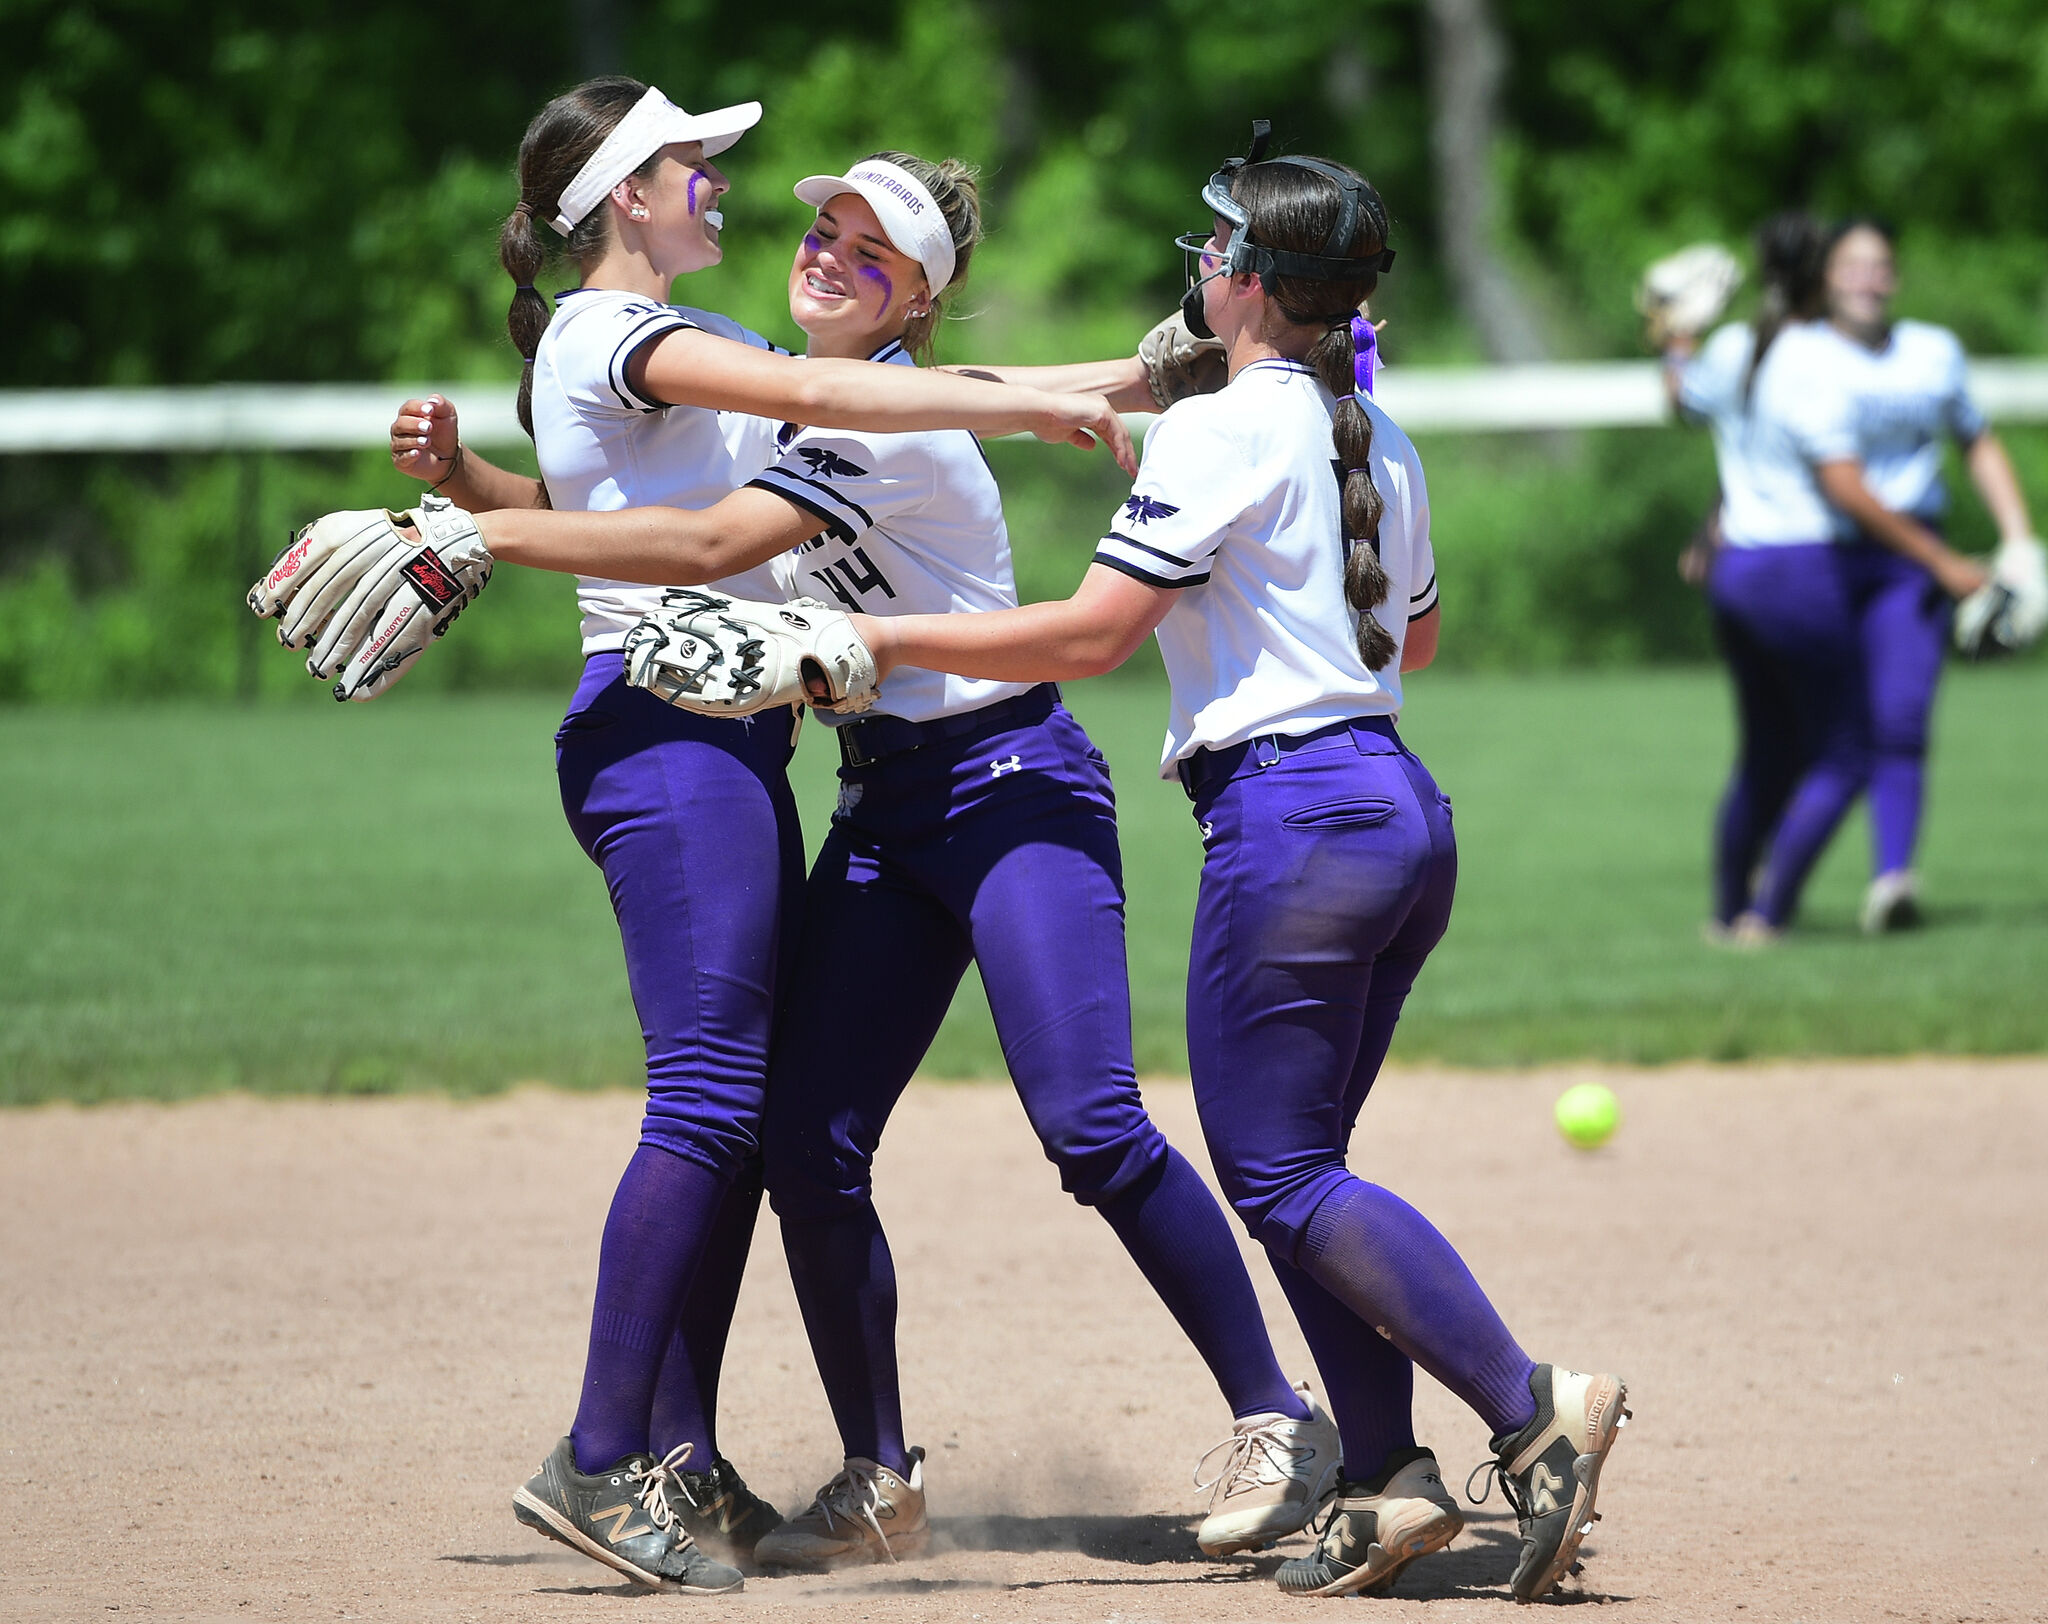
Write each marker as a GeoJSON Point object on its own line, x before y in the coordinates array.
{"type": "Point", "coordinates": [721, 656]}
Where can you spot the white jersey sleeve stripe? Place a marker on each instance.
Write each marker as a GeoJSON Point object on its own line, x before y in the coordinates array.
{"type": "Point", "coordinates": [1422, 602]}
{"type": "Point", "coordinates": [1137, 572]}
{"type": "Point", "coordinates": [1157, 552]}
{"type": "Point", "coordinates": [835, 527]}
{"type": "Point", "coordinates": [821, 498]}
{"type": "Point", "coordinates": [653, 328]}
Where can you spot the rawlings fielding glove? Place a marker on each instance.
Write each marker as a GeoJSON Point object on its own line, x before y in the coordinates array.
{"type": "Point", "coordinates": [1680, 295]}
{"type": "Point", "coordinates": [2010, 611]}
{"type": "Point", "coordinates": [318, 569]}
{"type": "Point", "coordinates": [1178, 364]}
{"type": "Point", "coordinates": [724, 656]}
{"type": "Point", "coordinates": [440, 571]}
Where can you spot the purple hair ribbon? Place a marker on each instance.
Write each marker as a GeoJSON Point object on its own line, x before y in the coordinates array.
{"type": "Point", "coordinates": [1365, 347]}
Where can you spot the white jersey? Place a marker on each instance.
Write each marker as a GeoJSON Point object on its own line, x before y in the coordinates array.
{"type": "Point", "coordinates": [603, 447]}
{"type": "Point", "coordinates": [1768, 444]}
{"type": "Point", "coordinates": [1237, 504]}
{"type": "Point", "coordinates": [1899, 402]}
{"type": "Point", "coordinates": [913, 526]}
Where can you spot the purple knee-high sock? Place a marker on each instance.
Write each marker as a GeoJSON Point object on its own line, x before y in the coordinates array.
{"type": "Point", "coordinates": [686, 1394]}
{"type": "Point", "coordinates": [845, 1282]}
{"type": "Point", "coordinates": [1182, 1244]}
{"type": "Point", "coordinates": [1388, 1264]}
{"type": "Point", "coordinates": [1369, 1382]}
{"type": "Point", "coordinates": [1897, 789]}
{"type": "Point", "coordinates": [653, 1239]}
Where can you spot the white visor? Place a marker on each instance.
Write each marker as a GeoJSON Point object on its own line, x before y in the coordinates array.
{"type": "Point", "coordinates": [653, 123]}
{"type": "Point", "coordinates": [911, 217]}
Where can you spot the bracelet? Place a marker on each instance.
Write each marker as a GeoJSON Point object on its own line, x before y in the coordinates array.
{"type": "Point", "coordinates": [454, 463]}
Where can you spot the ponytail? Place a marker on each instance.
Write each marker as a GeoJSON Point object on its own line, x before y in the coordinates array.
{"type": "Point", "coordinates": [558, 143]}
{"type": "Point", "coordinates": [1335, 359]}
{"type": "Point", "coordinates": [1791, 255]}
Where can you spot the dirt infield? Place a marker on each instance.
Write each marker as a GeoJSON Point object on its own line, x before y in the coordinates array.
{"type": "Point", "coordinates": [287, 1360]}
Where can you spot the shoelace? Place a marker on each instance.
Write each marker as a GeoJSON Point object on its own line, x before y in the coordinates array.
{"type": "Point", "coordinates": [1509, 1490]}
{"type": "Point", "coordinates": [1247, 1453]}
{"type": "Point", "coordinates": [654, 1482]}
{"type": "Point", "coordinates": [854, 1496]}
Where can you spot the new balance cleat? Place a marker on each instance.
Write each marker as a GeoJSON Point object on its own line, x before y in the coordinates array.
{"type": "Point", "coordinates": [622, 1518]}
{"type": "Point", "coordinates": [720, 1511]}
{"type": "Point", "coordinates": [1550, 1471]}
{"type": "Point", "coordinates": [866, 1514]}
{"type": "Point", "coordinates": [1275, 1475]}
{"type": "Point", "coordinates": [1375, 1528]}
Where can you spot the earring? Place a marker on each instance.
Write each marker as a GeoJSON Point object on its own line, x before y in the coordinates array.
{"type": "Point", "coordinates": [639, 214]}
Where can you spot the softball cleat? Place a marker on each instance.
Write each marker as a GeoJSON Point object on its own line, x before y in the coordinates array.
{"type": "Point", "coordinates": [720, 1511]}
{"type": "Point", "coordinates": [1375, 1528]}
{"type": "Point", "coordinates": [1275, 1475]}
{"type": "Point", "coordinates": [1550, 1471]}
{"type": "Point", "coordinates": [1892, 903]}
{"type": "Point", "coordinates": [622, 1518]}
{"type": "Point", "coordinates": [866, 1514]}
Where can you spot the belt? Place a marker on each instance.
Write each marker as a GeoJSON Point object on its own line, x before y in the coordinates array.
{"type": "Point", "coordinates": [861, 743]}
{"type": "Point", "coordinates": [1207, 766]}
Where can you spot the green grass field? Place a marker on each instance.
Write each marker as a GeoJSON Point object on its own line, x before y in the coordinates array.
{"type": "Point", "coordinates": [362, 899]}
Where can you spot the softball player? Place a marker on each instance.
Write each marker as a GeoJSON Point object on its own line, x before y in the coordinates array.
{"type": "Point", "coordinates": [632, 401]}
{"type": "Point", "coordinates": [1286, 604]}
{"type": "Point", "coordinates": [1900, 388]}
{"type": "Point", "coordinates": [976, 822]}
{"type": "Point", "coordinates": [1781, 586]}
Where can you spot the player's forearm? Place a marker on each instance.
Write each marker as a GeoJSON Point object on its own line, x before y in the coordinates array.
{"type": "Point", "coordinates": [1842, 484]}
{"type": "Point", "coordinates": [657, 545]}
{"type": "Point", "coordinates": [1991, 471]}
{"type": "Point", "coordinates": [1122, 380]}
{"type": "Point", "coordinates": [860, 395]}
{"type": "Point", "coordinates": [1041, 642]}
{"type": "Point", "coordinates": [479, 486]}
{"type": "Point", "coordinates": [1094, 631]}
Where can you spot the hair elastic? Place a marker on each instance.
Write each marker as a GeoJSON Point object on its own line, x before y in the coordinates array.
{"type": "Point", "coordinates": [1365, 352]}
{"type": "Point", "coordinates": [523, 207]}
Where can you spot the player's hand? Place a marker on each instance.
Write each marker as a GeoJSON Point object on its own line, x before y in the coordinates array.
{"type": "Point", "coordinates": [424, 439]}
{"type": "Point", "coordinates": [1959, 575]}
{"type": "Point", "coordinates": [1082, 420]}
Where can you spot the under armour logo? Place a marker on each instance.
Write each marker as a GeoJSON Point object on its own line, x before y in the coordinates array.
{"type": "Point", "coordinates": [1015, 764]}
{"type": "Point", "coordinates": [1144, 509]}
{"type": "Point", "coordinates": [1543, 1487]}
{"type": "Point", "coordinates": [828, 464]}
{"type": "Point", "coordinates": [1208, 829]}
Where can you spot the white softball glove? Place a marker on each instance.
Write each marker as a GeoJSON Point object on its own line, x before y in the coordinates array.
{"type": "Point", "coordinates": [724, 656]}
{"type": "Point", "coordinates": [2010, 611]}
{"type": "Point", "coordinates": [1680, 295]}
{"type": "Point", "coordinates": [1178, 364]}
{"type": "Point", "coordinates": [367, 598]}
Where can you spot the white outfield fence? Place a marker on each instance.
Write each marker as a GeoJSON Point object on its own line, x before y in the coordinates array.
{"type": "Point", "coordinates": [341, 417]}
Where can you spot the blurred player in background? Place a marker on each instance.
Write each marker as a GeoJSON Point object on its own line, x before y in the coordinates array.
{"type": "Point", "coordinates": [633, 401]}
{"type": "Point", "coordinates": [1286, 604]}
{"type": "Point", "coordinates": [1831, 586]}
{"type": "Point", "coordinates": [1901, 388]}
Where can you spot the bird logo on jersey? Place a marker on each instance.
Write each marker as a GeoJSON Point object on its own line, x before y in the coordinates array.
{"type": "Point", "coordinates": [1144, 509]}
{"type": "Point", "coordinates": [828, 464]}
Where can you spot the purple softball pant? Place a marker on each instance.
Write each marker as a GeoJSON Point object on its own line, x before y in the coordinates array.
{"type": "Point", "coordinates": [692, 821]}
{"type": "Point", "coordinates": [1902, 621]}
{"type": "Point", "coordinates": [995, 844]}
{"type": "Point", "coordinates": [1329, 871]}
{"type": "Point", "coordinates": [1786, 625]}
